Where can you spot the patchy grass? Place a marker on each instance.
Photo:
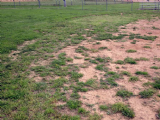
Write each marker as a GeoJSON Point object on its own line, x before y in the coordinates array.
{"type": "Point", "coordinates": [74, 104]}
{"type": "Point", "coordinates": [141, 59]}
{"type": "Point", "coordinates": [147, 93]}
{"type": "Point", "coordinates": [119, 62]}
{"type": "Point", "coordinates": [141, 73]}
{"type": "Point", "coordinates": [133, 79]}
{"type": "Point", "coordinates": [155, 67]}
{"type": "Point", "coordinates": [130, 60]}
{"type": "Point", "coordinates": [124, 93]}
{"type": "Point", "coordinates": [125, 73]}
{"type": "Point", "coordinates": [131, 51]}
{"type": "Point", "coordinates": [146, 47]}
{"type": "Point", "coordinates": [124, 109]}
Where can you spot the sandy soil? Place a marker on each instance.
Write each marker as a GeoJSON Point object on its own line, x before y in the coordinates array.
{"type": "Point", "coordinates": [145, 109]}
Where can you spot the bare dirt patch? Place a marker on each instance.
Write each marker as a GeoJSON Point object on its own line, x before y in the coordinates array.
{"type": "Point", "coordinates": [145, 109]}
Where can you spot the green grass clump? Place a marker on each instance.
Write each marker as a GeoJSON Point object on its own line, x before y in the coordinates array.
{"type": "Point", "coordinates": [133, 42]}
{"type": "Point", "coordinates": [62, 56]}
{"type": "Point", "coordinates": [157, 59]}
{"type": "Point", "coordinates": [95, 116]}
{"type": "Point", "coordinates": [147, 93]}
{"type": "Point", "coordinates": [158, 114]}
{"type": "Point", "coordinates": [103, 107]}
{"type": "Point", "coordinates": [58, 62]}
{"type": "Point", "coordinates": [103, 48]}
{"type": "Point", "coordinates": [75, 95]}
{"type": "Point", "coordinates": [130, 60]}
{"type": "Point", "coordinates": [93, 61]}
{"type": "Point", "coordinates": [125, 73]}
{"type": "Point", "coordinates": [141, 59]}
{"type": "Point", "coordinates": [141, 73]}
{"type": "Point", "coordinates": [146, 47]}
{"type": "Point", "coordinates": [75, 75]}
{"type": "Point", "coordinates": [111, 81]}
{"type": "Point", "coordinates": [119, 62]}
{"type": "Point", "coordinates": [124, 93]}
{"type": "Point", "coordinates": [100, 59]}
{"type": "Point", "coordinates": [120, 107]}
{"type": "Point", "coordinates": [99, 67]}
{"type": "Point", "coordinates": [156, 84]}
{"type": "Point", "coordinates": [131, 51]}
{"type": "Point", "coordinates": [82, 111]}
{"type": "Point", "coordinates": [133, 79]}
{"type": "Point", "coordinates": [155, 67]}
{"type": "Point", "coordinates": [74, 104]}
{"type": "Point", "coordinates": [40, 86]}
{"type": "Point", "coordinates": [59, 82]}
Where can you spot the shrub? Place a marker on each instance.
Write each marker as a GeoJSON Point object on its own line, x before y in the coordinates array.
{"type": "Point", "coordinates": [154, 67]}
{"type": "Point", "coordinates": [156, 84]}
{"type": "Point", "coordinates": [125, 73]}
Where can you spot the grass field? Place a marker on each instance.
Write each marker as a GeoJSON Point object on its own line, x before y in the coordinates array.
{"type": "Point", "coordinates": [39, 80]}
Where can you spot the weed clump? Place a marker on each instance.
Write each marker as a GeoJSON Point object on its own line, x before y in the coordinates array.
{"type": "Point", "coordinates": [103, 107]}
{"type": "Point", "coordinates": [131, 51]}
{"type": "Point", "coordinates": [130, 60]}
{"type": "Point", "coordinates": [125, 73]}
{"type": "Point", "coordinates": [119, 107]}
{"type": "Point", "coordinates": [119, 62]}
{"type": "Point", "coordinates": [155, 67]}
{"type": "Point", "coordinates": [141, 73]}
{"type": "Point", "coordinates": [147, 93]}
{"type": "Point", "coordinates": [74, 104]}
{"type": "Point", "coordinates": [133, 79]}
{"type": "Point", "coordinates": [124, 93]}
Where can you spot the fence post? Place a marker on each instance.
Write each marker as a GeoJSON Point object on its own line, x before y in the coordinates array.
{"type": "Point", "coordinates": [39, 3]}
{"type": "Point", "coordinates": [19, 3]}
{"type": "Point", "coordinates": [59, 3]}
{"type": "Point", "coordinates": [106, 5]}
{"type": "Point", "coordinates": [132, 6]}
{"type": "Point", "coordinates": [14, 4]}
{"type": "Point", "coordinates": [82, 4]}
{"type": "Point", "coordinates": [64, 3]}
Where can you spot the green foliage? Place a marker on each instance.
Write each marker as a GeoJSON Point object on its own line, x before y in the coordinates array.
{"type": "Point", "coordinates": [40, 86]}
{"type": "Point", "coordinates": [49, 111]}
{"type": "Point", "coordinates": [119, 62]}
{"type": "Point", "coordinates": [155, 67]}
{"type": "Point", "coordinates": [95, 116]}
{"type": "Point", "coordinates": [120, 107]}
{"type": "Point", "coordinates": [124, 93]}
{"type": "Point", "coordinates": [131, 51]}
{"type": "Point", "coordinates": [100, 59]}
{"type": "Point", "coordinates": [75, 75]}
{"type": "Point", "coordinates": [156, 84]}
{"type": "Point", "coordinates": [75, 95]}
{"type": "Point", "coordinates": [147, 93]}
{"type": "Point", "coordinates": [73, 104]}
{"type": "Point", "coordinates": [59, 82]}
{"type": "Point", "coordinates": [56, 63]}
{"type": "Point", "coordinates": [99, 67]}
{"type": "Point", "coordinates": [130, 60]}
{"type": "Point", "coordinates": [142, 59]}
{"type": "Point", "coordinates": [133, 42]}
{"type": "Point", "coordinates": [146, 47]}
{"type": "Point", "coordinates": [141, 73]}
{"type": "Point", "coordinates": [133, 79]}
{"type": "Point", "coordinates": [82, 110]}
{"type": "Point", "coordinates": [103, 48]}
{"type": "Point", "coordinates": [103, 107]}
{"type": "Point", "coordinates": [93, 61]}
{"type": "Point", "coordinates": [125, 73]}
